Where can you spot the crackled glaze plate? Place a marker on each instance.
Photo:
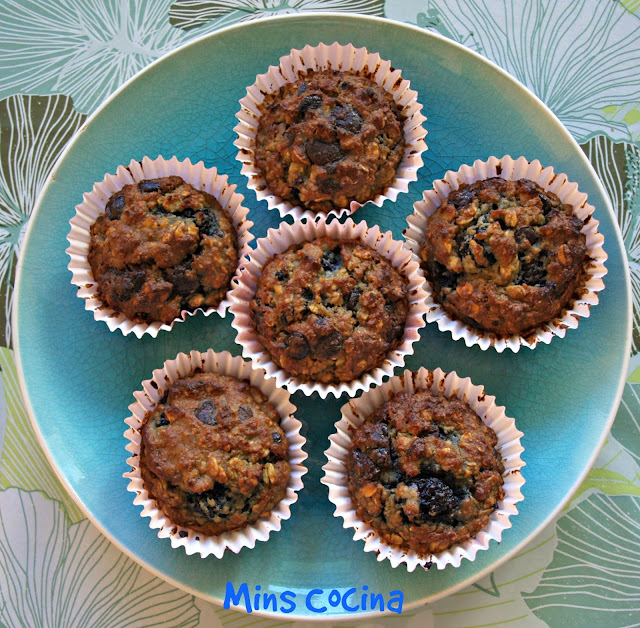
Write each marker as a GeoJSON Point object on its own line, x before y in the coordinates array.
{"type": "Point", "coordinates": [78, 377]}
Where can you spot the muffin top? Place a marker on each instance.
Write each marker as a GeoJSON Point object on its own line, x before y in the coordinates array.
{"type": "Point", "coordinates": [213, 454]}
{"type": "Point", "coordinates": [162, 247]}
{"type": "Point", "coordinates": [504, 256]}
{"type": "Point", "coordinates": [329, 310]}
{"type": "Point", "coordinates": [329, 138]}
{"type": "Point", "coordinates": [423, 471]}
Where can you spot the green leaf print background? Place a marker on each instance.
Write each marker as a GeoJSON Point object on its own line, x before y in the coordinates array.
{"type": "Point", "coordinates": [60, 60]}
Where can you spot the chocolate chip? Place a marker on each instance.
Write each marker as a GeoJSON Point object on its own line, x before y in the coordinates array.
{"type": "Point", "coordinates": [527, 233]}
{"type": "Point", "coordinates": [146, 187]}
{"type": "Point", "coordinates": [436, 498]}
{"type": "Point", "coordinates": [244, 413]}
{"type": "Point", "coordinates": [184, 279]}
{"type": "Point", "coordinates": [309, 102]}
{"type": "Point", "coordinates": [277, 439]}
{"type": "Point", "coordinates": [331, 260]}
{"type": "Point", "coordinates": [320, 153]}
{"type": "Point", "coordinates": [114, 207]}
{"type": "Point", "coordinates": [297, 346]}
{"type": "Point", "coordinates": [353, 298]}
{"type": "Point", "coordinates": [207, 413]}
{"type": "Point", "coordinates": [330, 345]}
{"type": "Point", "coordinates": [345, 117]}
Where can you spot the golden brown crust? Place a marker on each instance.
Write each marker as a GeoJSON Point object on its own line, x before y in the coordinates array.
{"type": "Point", "coordinates": [329, 138]}
{"type": "Point", "coordinates": [504, 256]}
{"type": "Point", "coordinates": [424, 473]}
{"type": "Point", "coordinates": [162, 247]}
{"type": "Point", "coordinates": [329, 310]}
{"type": "Point", "coordinates": [213, 454]}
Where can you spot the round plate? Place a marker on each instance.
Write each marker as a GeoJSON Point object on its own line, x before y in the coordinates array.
{"type": "Point", "coordinates": [78, 378]}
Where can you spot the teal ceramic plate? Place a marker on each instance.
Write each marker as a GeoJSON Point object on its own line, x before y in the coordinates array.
{"type": "Point", "coordinates": [78, 377]}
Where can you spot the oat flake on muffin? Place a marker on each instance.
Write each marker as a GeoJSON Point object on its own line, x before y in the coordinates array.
{"type": "Point", "coordinates": [162, 247]}
{"type": "Point", "coordinates": [213, 454]}
{"type": "Point", "coordinates": [330, 310]}
{"type": "Point", "coordinates": [328, 139]}
{"type": "Point", "coordinates": [424, 473]}
{"type": "Point", "coordinates": [504, 256]}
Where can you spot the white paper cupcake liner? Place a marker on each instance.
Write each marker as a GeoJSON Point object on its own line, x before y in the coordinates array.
{"type": "Point", "coordinates": [146, 399]}
{"type": "Point", "coordinates": [93, 205]}
{"type": "Point", "coordinates": [354, 414]}
{"type": "Point", "coordinates": [278, 241]}
{"type": "Point", "coordinates": [335, 57]}
{"type": "Point", "coordinates": [514, 169]}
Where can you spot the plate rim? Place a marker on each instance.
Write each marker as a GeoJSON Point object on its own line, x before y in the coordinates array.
{"type": "Point", "coordinates": [356, 17]}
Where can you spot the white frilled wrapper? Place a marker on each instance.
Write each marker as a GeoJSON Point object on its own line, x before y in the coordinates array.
{"type": "Point", "coordinates": [330, 57]}
{"type": "Point", "coordinates": [279, 240]}
{"type": "Point", "coordinates": [354, 414]}
{"type": "Point", "coordinates": [512, 170]}
{"type": "Point", "coordinates": [93, 205]}
{"type": "Point", "coordinates": [146, 399]}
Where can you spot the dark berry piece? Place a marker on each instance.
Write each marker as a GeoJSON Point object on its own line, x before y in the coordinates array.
{"type": "Point", "coordinates": [184, 280]}
{"type": "Point", "coordinates": [354, 298]}
{"type": "Point", "coordinates": [345, 117]}
{"type": "Point", "coordinates": [281, 275]}
{"type": "Point", "coordinates": [546, 204]}
{"type": "Point", "coordinates": [527, 233]}
{"type": "Point", "coordinates": [302, 88]}
{"type": "Point", "coordinates": [211, 504]}
{"type": "Point", "coordinates": [443, 277]}
{"type": "Point", "coordinates": [277, 439]}
{"type": "Point", "coordinates": [183, 533]}
{"type": "Point", "coordinates": [330, 345]}
{"type": "Point", "coordinates": [129, 282]}
{"type": "Point", "coordinates": [146, 187]}
{"type": "Point", "coordinates": [307, 294]}
{"type": "Point", "coordinates": [309, 102]}
{"type": "Point", "coordinates": [114, 207]}
{"type": "Point", "coordinates": [436, 498]}
{"type": "Point", "coordinates": [320, 153]}
{"type": "Point", "coordinates": [297, 346]}
{"type": "Point", "coordinates": [461, 197]}
{"type": "Point", "coordinates": [208, 224]}
{"type": "Point", "coordinates": [207, 413]}
{"type": "Point", "coordinates": [161, 421]}
{"type": "Point", "coordinates": [533, 273]}
{"type": "Point", "coordinates": [332, 260]}
{"type": "Point", "coordinates": [244, 413]}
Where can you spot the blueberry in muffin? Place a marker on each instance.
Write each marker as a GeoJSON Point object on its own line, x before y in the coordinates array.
{"type": "Point", "coordinates": [213, 454]}
{"type": "Point", "coordinates": [424, 472]}
{"type": "Point", "coordinates": [330, 310]}
{"type": "Point", "coordinates": [162, 247]}
{"type": "Point", "coordinates": [329, 138]}
{"type": "Point", "coordinates": [504, 256]}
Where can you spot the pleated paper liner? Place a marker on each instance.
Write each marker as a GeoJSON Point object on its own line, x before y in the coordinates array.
{"type": "Point", "coordinates": [93, 205]}
{"type": "Point", "coordinates": [146, 399]}
{"type": "Point", "coordinates": [514, 169]}
{"type": "Point", "coordinates": [278, 241]}
{"type": "Point", "coordinates": [354, 414]}
{"type": "Point", "coordinates": [340, 58]}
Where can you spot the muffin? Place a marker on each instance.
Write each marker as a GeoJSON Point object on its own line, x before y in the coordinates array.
{"type": "Point", "coordinates": [329, 310]}
{"type": "Point", "coordinates": [423, 471]}
{"type": "Point", "coordinates": [329, 138]}
{"type": "Point", "coordinates": [213, 454]}
{"type": "Point", "coordinates": [160, 248]}
{"type": "Point", "coordinates": [504, 256]}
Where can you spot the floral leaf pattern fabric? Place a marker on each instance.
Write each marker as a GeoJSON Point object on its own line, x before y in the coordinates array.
{"type": "Point", "coordinates": [59, 60]}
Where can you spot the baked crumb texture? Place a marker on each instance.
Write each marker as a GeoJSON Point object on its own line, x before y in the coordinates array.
{"type": "Point", "coordinates": [423, 471]}
{"type": "Point", "coordinates": [328, 139]}
{"type": "Point", "coordinates": [329, 310]}
{"type": "Point", "coordinates": [504, 256]}
{"type": "Point", "coordinates": [162, 247]}
{"type": "Point", "coordinates": [213, 454]}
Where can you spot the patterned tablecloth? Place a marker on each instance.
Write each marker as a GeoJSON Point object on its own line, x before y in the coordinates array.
{"type": "Point", "coordinates": [59, 60]}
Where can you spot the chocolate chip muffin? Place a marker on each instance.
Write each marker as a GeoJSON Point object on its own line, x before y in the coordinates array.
{"type": "Point", "coordinates": [213, 454]}
{"type": "Point", "coordinates": [162, 247]}
{"type": "Point", "coordinates": [504, 256]}
{"type": "Point", "coordinates": [423, 471]}
{"type": "Point", "coordinates": [329, 310]}
{"type": "Point", "coordinates": [328, 139]}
